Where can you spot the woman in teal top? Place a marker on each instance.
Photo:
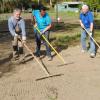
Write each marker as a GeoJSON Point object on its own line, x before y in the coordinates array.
{"type": "Point", "coordinates": [43, 22]}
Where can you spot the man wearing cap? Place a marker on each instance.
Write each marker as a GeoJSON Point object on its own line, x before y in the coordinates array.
{"type": "Point", "coordinates": [16, 25]}
{"type": "Point", "coordinates": [43, 22]}
{"type": "Point", "coordinates": [87, 22]}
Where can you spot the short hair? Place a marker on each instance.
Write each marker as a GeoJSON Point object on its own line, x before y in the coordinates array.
{"type": "Point", "coordinates": [43, 8]}
{"type": "Point", "coordinates": [16, 10]}
{"type": "Point", "coordinates": [85, 6]}
{"type": "Point", "coordinates": [34, 6]}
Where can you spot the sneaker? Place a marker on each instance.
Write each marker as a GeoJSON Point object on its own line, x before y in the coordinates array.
{"type": "Point", "coordinates": [37, 54]}
{"type": "Point", "coordinates": [92, 55]}
{"type": "Point", "coordinates": [49, 58]}
{"type": "Point", "coordinates": [83, 51]}
{"type": "Point", "coordinates": [15, 55]}
{"type": "Point", "coordinates": [22, 58]}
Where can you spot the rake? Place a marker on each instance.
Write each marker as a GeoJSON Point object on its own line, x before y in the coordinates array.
{"type": "Point", "coordinates": [41, 64]}
{"type": "Point", "coordinates": [92, 38]}
{"type": "Point", "coordinates": [51, 46]}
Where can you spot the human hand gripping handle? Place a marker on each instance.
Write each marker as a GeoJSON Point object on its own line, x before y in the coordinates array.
{"type": "Point", "coordinates": [42, 32]}
{"type": "Point", "coordinates": [90, 33]}
{"type": "Point", "coordinates": [17, 36]}
{"type": "Point", "coordinates": [82, 26]}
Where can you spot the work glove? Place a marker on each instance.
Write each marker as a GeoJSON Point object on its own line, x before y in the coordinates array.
{"type": "Point", "coordinates": [42, 32]}
{"type": "Point", "coordinates": [17, 36]}
{"type": "Point", "coordinates": [91, 33]}
{"type": "Point", "coordinates": [35, 25]}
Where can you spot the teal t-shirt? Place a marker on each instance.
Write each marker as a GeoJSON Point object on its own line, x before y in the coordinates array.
{"type": "Point", "coordinates": [43, 21]}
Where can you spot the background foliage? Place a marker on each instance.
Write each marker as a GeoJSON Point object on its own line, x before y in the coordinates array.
{"type": "Point", "coordinates": [8, 5]}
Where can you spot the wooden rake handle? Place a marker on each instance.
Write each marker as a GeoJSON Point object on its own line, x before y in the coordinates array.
{"type": "Point", "coordinates": [46, 72]}
{"type": "Point", "coordinates": [61, 58]}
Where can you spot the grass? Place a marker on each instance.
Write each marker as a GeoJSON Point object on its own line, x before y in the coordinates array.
{"type": "Point", "coordinates": [52, 12]}
{"type": "Point", "coordinates": [70, 34]}
{"type": "Point", "coordinates": [63, 15]}
{"type": "Point", "coordinates": [97, 35]}
{"type": "Point", "coordinates": [63, 41]}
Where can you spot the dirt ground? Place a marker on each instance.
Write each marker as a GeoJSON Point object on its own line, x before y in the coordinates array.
{"type": "Point", "coordinates": [78, 79]}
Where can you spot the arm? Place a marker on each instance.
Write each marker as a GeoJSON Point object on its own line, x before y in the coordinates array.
{"type": "Point", "coordinates": [23, 29]}
{"type": "Point", "coordinates": [91, 21]}
{"type": "Point", "coordinates": [33, 21]}
{"type": "Point", "coordinates": [47, 28]}
{"type": "Point", "coordinates": [81, 24]}
{"type": "Point", "coordinates": [48, 22]}
{"type": "Point", "coordinates": [91, 27]}
{"type": "Point", "coordinates": [80, 17]}
{"type": "Point", "coordinates": [11, 28]}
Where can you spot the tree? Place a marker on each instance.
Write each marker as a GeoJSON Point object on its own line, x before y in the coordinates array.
{"type": "Point", "coordinates": [9, 5]}
{"type": "Point", "coordinates": [93, 4]}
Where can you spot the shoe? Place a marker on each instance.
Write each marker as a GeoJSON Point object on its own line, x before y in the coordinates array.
{"type": "Point", "coordinates": [49, 58]}
{"type": "Point", "coordinates": [92, 55]}
{"type": "Point", "coordinates": [22, 58]}
{"type": "Point", "coordinates": [37, 54]}
{"type": "Point", "coordinates": [15, 55]}
{"type": "Point", "coordinates": [83, 51]}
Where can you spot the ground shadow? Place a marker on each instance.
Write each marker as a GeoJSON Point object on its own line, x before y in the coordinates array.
{"type": "Point", "coordinates": [5, 63]}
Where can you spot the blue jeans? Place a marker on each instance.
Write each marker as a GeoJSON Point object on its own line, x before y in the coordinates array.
{"type": "Point", "coordinates": [38, 43]}
{"type": "Point", "coordinates": [83, 41]}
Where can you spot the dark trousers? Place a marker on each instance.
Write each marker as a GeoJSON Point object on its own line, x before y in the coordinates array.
{"type": "Point", "coordinates": [38, 42]}
{"type": "Point", "coordinates": [17, 46]}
